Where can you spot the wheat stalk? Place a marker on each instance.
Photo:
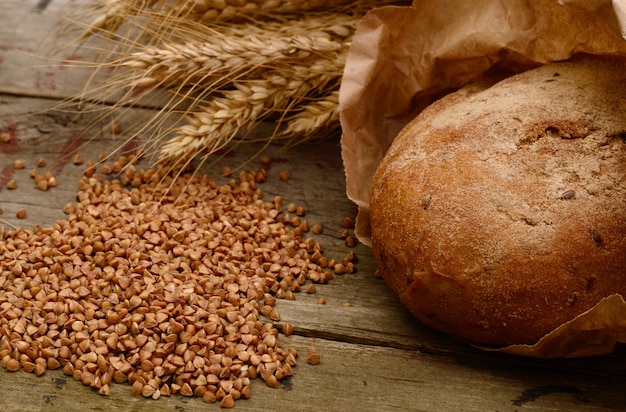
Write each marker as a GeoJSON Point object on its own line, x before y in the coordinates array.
{"type": "Point", "coordinates": [315, 119]}
{"type": "Point", "coordinates": [226, 75]}
{"type": "Point", "coordinates": [237, 63]}
{"type": "Point", "coordinates": [208, 11]}
{"type": "Point", "coordinates": [116, 12]}
{"type": "Point", "coordinates": [240, 109]}
{"type": "Point", "coordinates": [221, 59]}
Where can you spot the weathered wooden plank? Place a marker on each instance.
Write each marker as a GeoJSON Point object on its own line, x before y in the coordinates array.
{"type": "Point", "coordinates": [350, 377]}
{"type": "Point", "coordinates": [43, 54]}
{"type": "Point", "coordinates": [28, 63]}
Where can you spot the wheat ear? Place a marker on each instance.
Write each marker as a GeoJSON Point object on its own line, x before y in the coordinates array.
{"type": "Point", "coordinates": [116, 12]}
{"type": "Point", "coordinates": [239, 110]}
{"type": "Point", "coordinates": [208, 11]}
{"type": "Point", "coordinates": [315, 119]}
{"type": "Point", "coordinates": [220, 60]}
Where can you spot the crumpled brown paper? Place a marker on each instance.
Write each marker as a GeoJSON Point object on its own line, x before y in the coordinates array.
{"type": "Point", "coordinates": [404, 58]}
{"type": "Point", "coordinates": [595, 332]}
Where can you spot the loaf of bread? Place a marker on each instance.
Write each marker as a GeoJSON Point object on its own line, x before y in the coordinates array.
{"type": "Point", "coordinates": [499, 213]}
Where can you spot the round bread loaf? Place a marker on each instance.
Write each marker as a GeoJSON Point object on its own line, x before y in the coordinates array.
{"type": "Point", "coordinates": [499, 213]}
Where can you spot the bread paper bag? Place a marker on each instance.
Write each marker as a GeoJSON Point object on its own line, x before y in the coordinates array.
{"type": "Point", "coordinates": [404, 58]}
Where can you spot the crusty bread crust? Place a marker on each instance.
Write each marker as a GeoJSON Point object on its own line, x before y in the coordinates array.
{"type": "Point", "coordinates": [499, 213]}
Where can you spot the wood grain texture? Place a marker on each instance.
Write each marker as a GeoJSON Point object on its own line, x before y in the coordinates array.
{"type": "Point", "coordinates": [31, 61]}
{"type": "Point", "coordinates": [350, 377]}
{"type": "Point", "coordinates": [375, 356]}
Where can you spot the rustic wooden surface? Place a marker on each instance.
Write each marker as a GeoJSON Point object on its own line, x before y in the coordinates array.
{"type": "Point", "coordinates": [375, 356]}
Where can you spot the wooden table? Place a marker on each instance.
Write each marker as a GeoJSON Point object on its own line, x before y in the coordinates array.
{"type": "Point", "coordinates": [375, 356]}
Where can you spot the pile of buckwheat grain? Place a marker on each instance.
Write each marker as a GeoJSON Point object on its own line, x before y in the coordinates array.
{"type": "Point", "coordinates": [167, 283]}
